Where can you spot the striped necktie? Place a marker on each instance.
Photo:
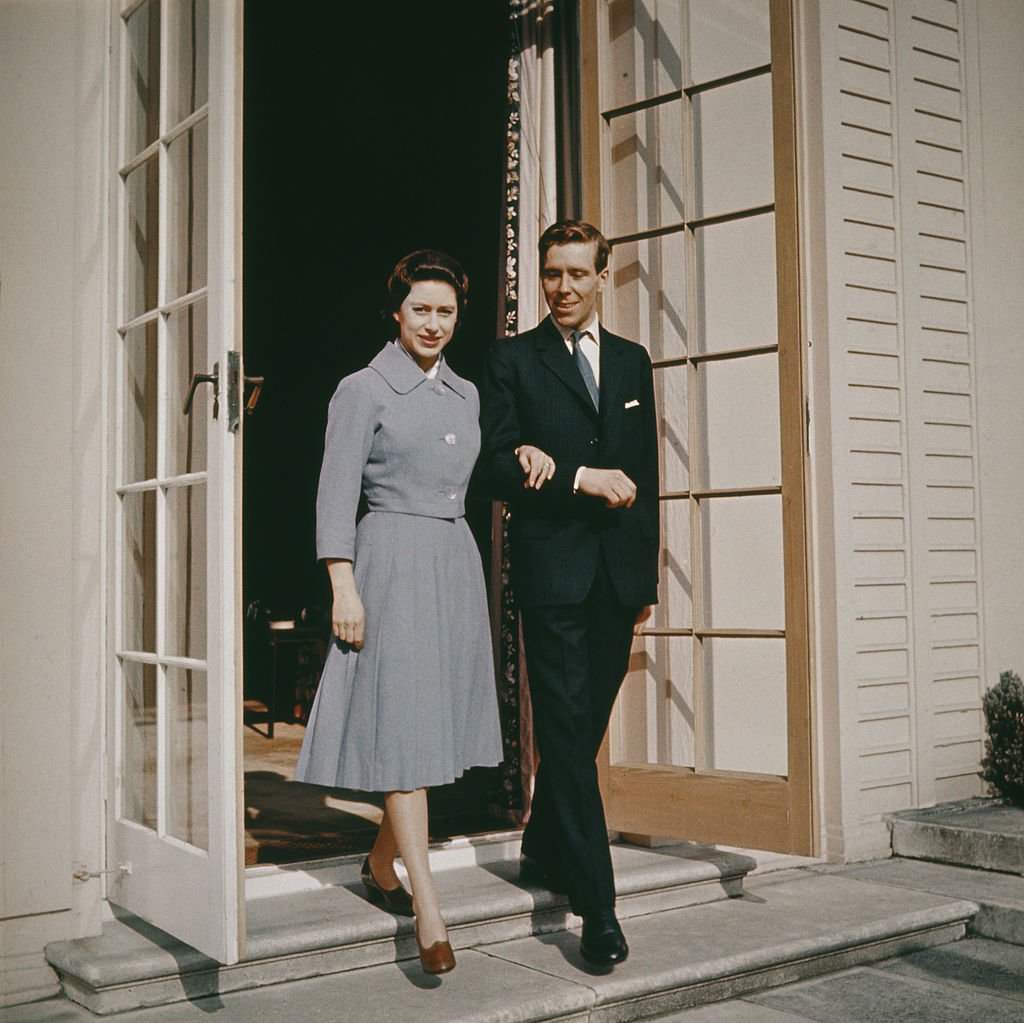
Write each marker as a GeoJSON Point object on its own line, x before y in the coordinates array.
{"type": "Point", "coordinates": [586, 371]}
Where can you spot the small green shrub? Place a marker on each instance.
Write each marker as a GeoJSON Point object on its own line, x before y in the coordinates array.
{"type": "Point", "coordinates": [1003, 763]}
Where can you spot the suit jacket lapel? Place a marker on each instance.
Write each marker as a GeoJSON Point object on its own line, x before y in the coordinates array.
{"type": "Point", "coordinates": [612, 352]}
{"type": "Point", "coordinates": [556, 357]}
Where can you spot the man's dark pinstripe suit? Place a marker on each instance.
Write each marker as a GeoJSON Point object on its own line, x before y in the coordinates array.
{"type": "Point", "coordinates": [581, 571]}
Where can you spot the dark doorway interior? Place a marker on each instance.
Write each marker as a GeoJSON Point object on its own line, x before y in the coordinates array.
{"type": "Point", "coordinates": [370, 130]}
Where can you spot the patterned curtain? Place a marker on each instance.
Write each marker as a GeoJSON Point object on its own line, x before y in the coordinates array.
{"type": "Point", "coordinates": [531, 202]}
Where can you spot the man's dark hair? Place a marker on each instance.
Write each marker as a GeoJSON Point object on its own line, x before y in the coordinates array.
{"type": "Point", "coordinates": [565, 232]}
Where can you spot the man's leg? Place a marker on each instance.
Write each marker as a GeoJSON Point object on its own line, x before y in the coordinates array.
{"type": "Point", "coordinates": [570, 828]}
{"type": "Point", "coordinates": [609, 640]}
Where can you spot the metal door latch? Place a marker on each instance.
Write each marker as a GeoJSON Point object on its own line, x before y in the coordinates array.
{"type": "Point", "coordinates": [236, 385]}
{"type": "Point", "coordinates": [83, 873]}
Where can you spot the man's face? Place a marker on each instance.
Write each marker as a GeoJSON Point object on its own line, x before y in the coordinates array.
{"type": "Point", "coordinates": [572, 283]}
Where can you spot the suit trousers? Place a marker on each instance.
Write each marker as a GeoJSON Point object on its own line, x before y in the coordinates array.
{"type": "Point", "coordinates": [576, 656]}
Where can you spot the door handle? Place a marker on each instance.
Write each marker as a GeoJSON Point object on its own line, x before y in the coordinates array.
{"type": "Point", "coordinates": [204, 378]}
{"type": "Point", "coordinates": [254, 394]}
{"type": "Point", "coordinates": [237, 382]}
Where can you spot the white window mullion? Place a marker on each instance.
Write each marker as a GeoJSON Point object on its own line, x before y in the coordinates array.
{"type": "Point", "coordinates": [120, 684]}
{"type": "Point", "coordinates": [163, 751]}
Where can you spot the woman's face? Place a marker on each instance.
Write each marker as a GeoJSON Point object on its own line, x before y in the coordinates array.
{"type": "Point", "coordinates": [426, 320]}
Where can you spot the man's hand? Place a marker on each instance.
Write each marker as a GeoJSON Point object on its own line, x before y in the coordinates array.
{"type": "Point", "coordinates": [538, 466]}
{"type": "Point", "coordinates": [642, 617]}
{"type": "Point", "coordinates": [617, 489]}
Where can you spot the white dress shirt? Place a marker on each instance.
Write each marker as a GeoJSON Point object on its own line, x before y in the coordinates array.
{"type": "Point", "coordinates": [590, 345]}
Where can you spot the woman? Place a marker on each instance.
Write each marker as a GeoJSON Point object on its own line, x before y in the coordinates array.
{"type": "Point", "coordinates": [407, 699]}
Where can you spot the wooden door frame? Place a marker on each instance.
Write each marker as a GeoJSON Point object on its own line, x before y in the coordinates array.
{"type": "Point", "coordinates": [735, 808]}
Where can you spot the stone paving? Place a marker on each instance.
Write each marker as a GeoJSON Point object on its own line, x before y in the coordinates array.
{"type": "Point", "coordinates": [539, 978]}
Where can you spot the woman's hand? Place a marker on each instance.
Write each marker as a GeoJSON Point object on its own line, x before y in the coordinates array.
{"type": "Point", "coordinates": [348, 619]}
{"type": "Point", "coordinates": [538, 466]}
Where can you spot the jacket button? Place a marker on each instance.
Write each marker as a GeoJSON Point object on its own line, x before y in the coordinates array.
{"type": "Point", "coordinates": [449, 438]}
{"type": "Point", "coordinates": [594, 442]}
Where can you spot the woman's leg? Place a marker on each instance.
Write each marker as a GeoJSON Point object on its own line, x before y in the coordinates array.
{"type": "Point", "coordinates": [382, 855]}
{"type": "Point", "coordinates": [407, 815]}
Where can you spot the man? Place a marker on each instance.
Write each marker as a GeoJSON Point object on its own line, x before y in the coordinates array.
{"type": "Point", "coordinates": [570, 440]}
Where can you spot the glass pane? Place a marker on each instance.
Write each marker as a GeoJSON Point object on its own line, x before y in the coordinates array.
{"type": "Point", "coordinates": [746, 685]}
{"type": "Point", "coordinates": [670, 383]}
{"type": "Point", "coordinates": [141, 243]}
{"type": "Point", "coordinates": [186, 237]}
{"type": "Point", "coordinates": [736, 284]}
{"type": "Point", "coordinates": [138, 625]}
{"type": "Point", "coordinates": [743, 571]}
{"type": "Point", "coordinates": [732, 127]}
{"type": "Point", "coordinates": [139, 398]}
{"type": "Point", "coordinates": [674, 609]}
{"type": "Point", "coordinates": [644, 48]}
{"type": "Point", "coordinates": [188, 53]}
{"type": "Point", "coordinates": [649, 293]}
{"type": "Point", "coordinates": [741, 422]}
{"type": "Point", "coordinates": [188, 743]}
{"type": "Point", "coordinates": [727, 37]}
{"type": "Point", "coordinates": [647, 168]}
{"type": "Point", "coordinates": [186, 355]}
{"type": "Point", "coordinates": [138, 743]}
{"type": "Point", "coordinates": [186, 571]}
{"type": "Point", "coordinates": [655, 708]}
{"type": "Point", "coordinates": [142, 115]}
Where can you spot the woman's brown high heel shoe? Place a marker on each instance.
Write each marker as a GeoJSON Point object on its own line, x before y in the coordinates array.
{"type": "Point", "coordinates": [398, 900]}
{"type": "Point", "coordinates": [439, 958]}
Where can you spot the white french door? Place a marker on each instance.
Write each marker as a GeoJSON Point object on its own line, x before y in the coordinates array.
{"type": "Point", "coordinates": [690, 156]}
{"type": "Point", "coordinates": [175, 830]}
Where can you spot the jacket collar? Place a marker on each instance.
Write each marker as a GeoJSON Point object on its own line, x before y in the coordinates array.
{"type": "Point", "coordinates": [556, 357]}
{"type": "Point", "coordinates": [403, 375]}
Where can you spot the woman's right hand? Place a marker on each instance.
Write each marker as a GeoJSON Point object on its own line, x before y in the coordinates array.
{"type": "Point", "coordinates": [348, 619]}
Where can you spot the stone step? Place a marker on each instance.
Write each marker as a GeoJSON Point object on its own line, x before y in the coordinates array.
{"type": "Point", "coordinates": [999, 896]}
{"type": "Point", "coordinates": [970, 833]}
{"type": "Point", "coordinates": [784, 927]}
{"type": "Point", "coordinates": [327, 927]}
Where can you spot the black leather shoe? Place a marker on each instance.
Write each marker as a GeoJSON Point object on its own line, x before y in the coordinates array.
{"type": "Point", "coordinates": [398, 900]}
{"type": "Point", "coordinates": [603, 944]}
{"type": "Point", "coordinates": [535, 872]}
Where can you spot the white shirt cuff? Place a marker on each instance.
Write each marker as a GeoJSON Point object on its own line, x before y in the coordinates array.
{"type": "Point", "coordinates": [576, 479]}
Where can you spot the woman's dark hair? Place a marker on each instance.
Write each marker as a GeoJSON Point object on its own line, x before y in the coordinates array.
{"type": "Point", "coordinates": [426, 265]}
{"type": "Point", "coordinates": [565, 232]}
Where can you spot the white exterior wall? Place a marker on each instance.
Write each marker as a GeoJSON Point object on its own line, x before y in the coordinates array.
{"type": "Point", "coordinates": [53, 235]}
{"type": "Point", "coordinates": [916, 423]}
{"type": "Point", "coordinates": [998, 112]}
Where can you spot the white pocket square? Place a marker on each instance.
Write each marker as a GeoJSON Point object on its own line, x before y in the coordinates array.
{"type": "Point", "coordinates": [632, 404]}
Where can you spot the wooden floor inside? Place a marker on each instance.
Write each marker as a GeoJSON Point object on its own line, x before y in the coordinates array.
{"type": "Point", "coordinates": [287, 821]}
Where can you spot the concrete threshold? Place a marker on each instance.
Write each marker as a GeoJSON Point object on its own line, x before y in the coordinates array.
{"type": "Point", "coordinates": [786, 926]}
{"type": "Point", "coordinates": [999, 896]}
{"type": "Point", "coordinates": [333, 928]}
